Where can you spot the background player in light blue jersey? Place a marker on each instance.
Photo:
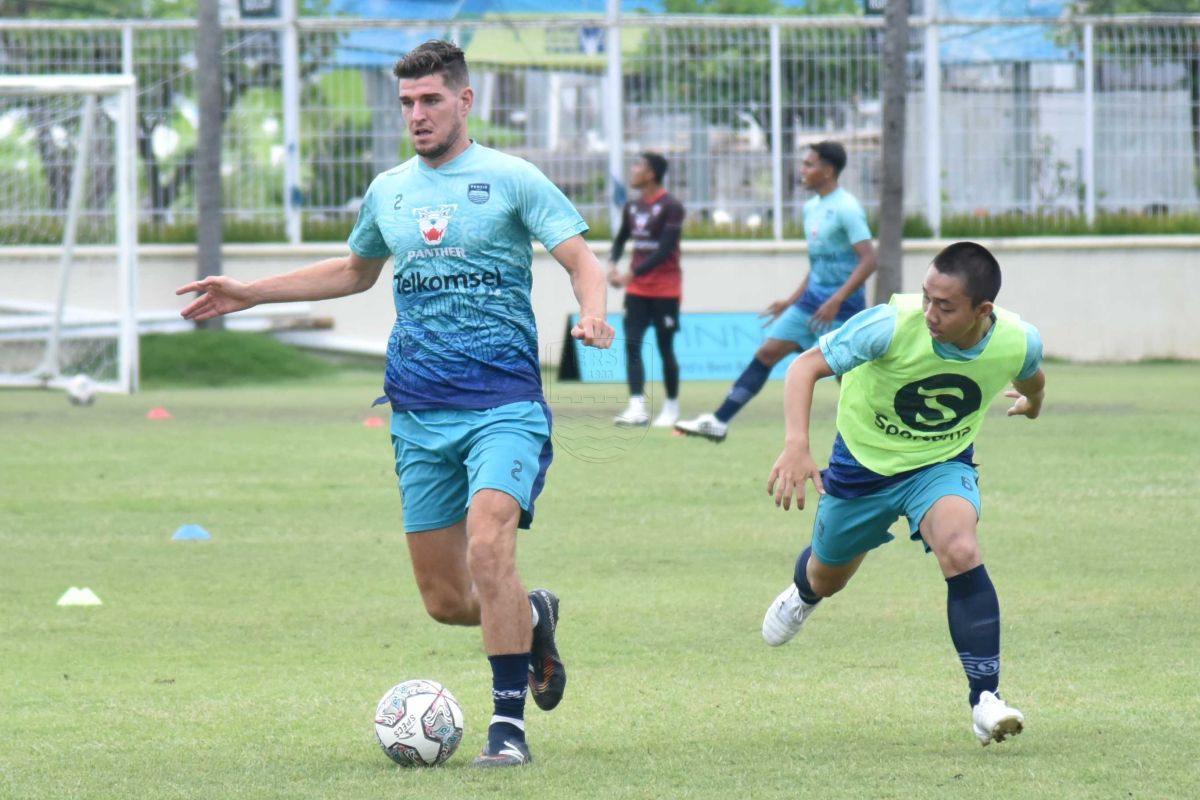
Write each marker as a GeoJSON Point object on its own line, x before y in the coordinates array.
{"type": "Point", "coordinates": [470, 426]}
{"type": "Point", "coordinates": [841, 259]}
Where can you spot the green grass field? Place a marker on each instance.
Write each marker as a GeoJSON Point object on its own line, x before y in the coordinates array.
{"type": "Point", "coordinates": [249, 666]}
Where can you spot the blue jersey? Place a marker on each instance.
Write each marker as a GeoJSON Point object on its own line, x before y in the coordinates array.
{"type": "Point", "coordinates": [867, 337]}
{"type": "Point", "coordinates": [459, 234]}
{"type": "Point", "coordinates": [833, 224]}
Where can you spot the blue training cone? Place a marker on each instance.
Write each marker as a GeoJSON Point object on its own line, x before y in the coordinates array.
{"type": "Point", "coordinates": [191, 533]}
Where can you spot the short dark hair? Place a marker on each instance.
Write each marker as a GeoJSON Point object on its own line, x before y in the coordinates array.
{"type": "Point", "coordinates": [832, 154]}
{"type": "Point", "coordinates": [435, 57]}
{"type": "Point", "coordinates": [657, 164]}
{"type": "Point", "coordinates": [978, 268]}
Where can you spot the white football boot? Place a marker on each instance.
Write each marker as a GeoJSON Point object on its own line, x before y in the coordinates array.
{"type": "Point", "coordinates": [668, 416]}
{"type": "Point", "coordinates": [635, 414]}
{"type": "Point", "coordinates": [705, 425]}
{"type": "Point", "coordinates": [785, 616]}
{"type": "Point", "coordinates": [994, 720]}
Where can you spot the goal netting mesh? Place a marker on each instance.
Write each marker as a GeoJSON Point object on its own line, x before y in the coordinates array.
{"type": "Point", "coordinates": [68, 232]}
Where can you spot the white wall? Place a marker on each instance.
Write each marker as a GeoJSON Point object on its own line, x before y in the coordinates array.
{"type": "Point", "coordinates": [1094, 299]}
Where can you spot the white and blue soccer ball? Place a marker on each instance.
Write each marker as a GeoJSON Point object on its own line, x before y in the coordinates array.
{"type": "Point", "coordinates": [81, 390]}
{"type": "Point", "coordinates": [419, 723]}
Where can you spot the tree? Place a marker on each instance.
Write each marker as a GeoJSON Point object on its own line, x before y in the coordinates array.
{"type": "Point", "coordinates": [891, 197]}
{"type": "Point", "coordinates": [208, 146]}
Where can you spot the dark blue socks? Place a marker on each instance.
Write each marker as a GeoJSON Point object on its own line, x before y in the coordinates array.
{"type": "Point", "coordinates": [510, 682]}
{"type": "Point", "coordinates": [748, 384]}
{"type": "Point", "coordinates": [974, 615]}
{"type": "Point", "coordinates": [801, 578]}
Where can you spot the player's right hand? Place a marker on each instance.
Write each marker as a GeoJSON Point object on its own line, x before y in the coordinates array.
{"type": "Point", "coordinates": [594, 332]}
{"type": "Point", "coordinates": [793, 468]}
{"type": "Point", "coordinates": [222, 295]}
{"type": "Point", "coordinates": [774, 311]}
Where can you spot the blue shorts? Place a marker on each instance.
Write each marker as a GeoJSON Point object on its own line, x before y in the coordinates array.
{"type": "Point", "coordinates": [844, 529]}
{"type": "Point", "coordinates": [792, 326]}
{"type": "Point", "coordinates": [443, 457]}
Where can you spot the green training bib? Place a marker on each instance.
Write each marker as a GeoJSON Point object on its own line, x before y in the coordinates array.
{"type": "Point", "coordinates": [911, 407]}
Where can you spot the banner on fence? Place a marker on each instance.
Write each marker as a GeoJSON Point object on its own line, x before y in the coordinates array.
{"type": "Point", "coordinates": [709, 347]}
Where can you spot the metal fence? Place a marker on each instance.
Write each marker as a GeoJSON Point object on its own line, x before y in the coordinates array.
{"type": "Point", "coordinates": [1072, 118]}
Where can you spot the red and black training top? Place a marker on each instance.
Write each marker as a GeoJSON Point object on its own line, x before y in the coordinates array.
{"type": "Point", "coordinates": [655, 224]}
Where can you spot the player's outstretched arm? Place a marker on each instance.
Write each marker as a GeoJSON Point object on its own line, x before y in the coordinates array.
{"type": "Point", "coordinates": [795, 465]}
{"type": "Point", "coordinates": [587, 281]}
{"type": "Point", "coordinates": [1029, 395]}
{"type": "Point", "coordinates": [333, 277]}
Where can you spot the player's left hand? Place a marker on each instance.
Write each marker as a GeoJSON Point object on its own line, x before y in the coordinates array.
{"type": "Point", "coordinates": [822, 319]}
{"type": "Point", "coordinates": [1024, 406]}
{"type": "Point", "coordinates": [594, 332]}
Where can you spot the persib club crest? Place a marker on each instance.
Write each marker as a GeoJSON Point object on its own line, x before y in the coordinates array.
{"type": "Point", "coordinates": [434, 222]}
{"type": "Point", "coordinates": [479, 193]}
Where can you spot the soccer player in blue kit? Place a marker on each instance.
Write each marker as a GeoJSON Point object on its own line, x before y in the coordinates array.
{"type": "Point", "coordinates": [470, 426]}
{"type": "Point", "coordinates": [841, 258]}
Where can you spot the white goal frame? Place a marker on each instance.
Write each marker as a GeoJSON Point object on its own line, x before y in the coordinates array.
{"type": "Point", "coordinates": [91, 87]}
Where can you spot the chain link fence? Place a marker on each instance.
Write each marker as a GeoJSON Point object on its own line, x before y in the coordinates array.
{"type": "Point", "coordinates": [1074, 120]}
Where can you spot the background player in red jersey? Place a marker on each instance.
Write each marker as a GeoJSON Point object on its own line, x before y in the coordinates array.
{"type": "Point", "coordinates": [653, 286]}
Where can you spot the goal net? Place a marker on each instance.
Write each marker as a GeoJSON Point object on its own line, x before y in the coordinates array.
{"type": "Point", "coordinates": [68, 232]}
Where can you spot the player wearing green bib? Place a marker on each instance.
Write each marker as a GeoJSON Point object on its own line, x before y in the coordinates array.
{"type": "Point", "coordinates": [919, 374]}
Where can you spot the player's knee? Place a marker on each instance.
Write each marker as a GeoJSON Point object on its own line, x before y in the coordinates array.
{"type": "Point", "coordinates": [772, 352]}
{"type": "Point", "coordinates": [958, 552]}
{"type": "Point", "coordinates": [447, 606]}
{"type": "Point", "coordinates": [447, 611]}
{"type": "Point", "coordinates": [490, 561]}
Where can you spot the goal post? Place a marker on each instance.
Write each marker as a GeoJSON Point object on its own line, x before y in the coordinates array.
{"type": "Point", "coordinates": [68, 231]}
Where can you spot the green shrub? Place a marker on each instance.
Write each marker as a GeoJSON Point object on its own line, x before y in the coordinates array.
{"type": "Point", "coordinates": [224, 358]}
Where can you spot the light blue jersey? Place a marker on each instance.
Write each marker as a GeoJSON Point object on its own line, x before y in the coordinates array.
{"type": "Point", "coordinates": [867, 337]}
{"type": "Point", "coordinates": [833, 224]}
{"type": "Point", "coordinates": [460, 234]}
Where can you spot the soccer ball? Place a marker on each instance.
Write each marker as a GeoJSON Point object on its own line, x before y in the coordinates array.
{"type": "Point", "coordinates": [81, 391]}
{"type": "Point", "coordinates": [419, 723]}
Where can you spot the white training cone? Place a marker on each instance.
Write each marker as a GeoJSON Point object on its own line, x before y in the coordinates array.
{"type": "Point", "coordinates": [79, 597]}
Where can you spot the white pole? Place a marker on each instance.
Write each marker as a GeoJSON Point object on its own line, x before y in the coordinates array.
{"type": "Point", "coordinates": [932, 126]}
{"type": "Point", "coordinates": [293, 197]}
{"type": "Point", "coordinates": [128, 361]}
{"type": "Point", "coordinates": [127, 50]}
{"type": "Point", "coordinates": [1089, 124]}
{"type": "Point", "coordinates": [614, 123]}
{"type": "Point", "coordinates": [776, 135]}
{"type": "Point", "coordinates": [51, 366]}
{"type": "Point", "coordinates": [127, 205]}
{"type": "Point", "coordinates": [553, 110]}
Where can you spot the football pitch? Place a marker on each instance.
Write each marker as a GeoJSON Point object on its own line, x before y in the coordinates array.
{"type": "Point", "coordinates": [249, 666]}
